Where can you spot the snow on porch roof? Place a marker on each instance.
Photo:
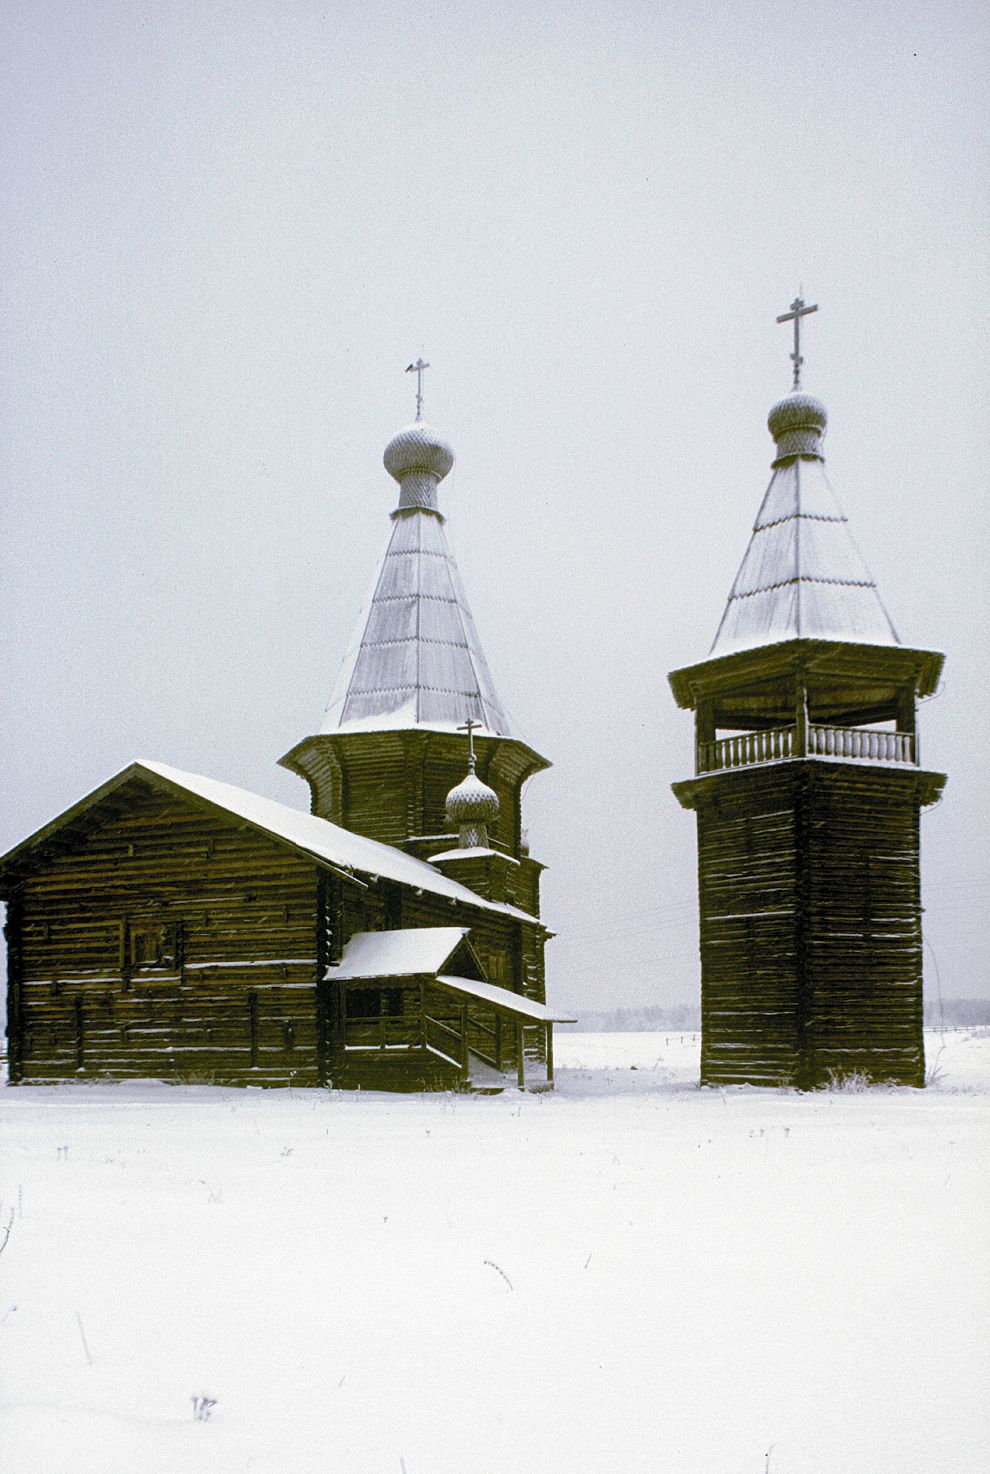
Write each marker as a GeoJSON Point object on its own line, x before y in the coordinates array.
{"type": "Point", "coordinates": [306, 833]}
{"type": "Point", "coordinates": [501, 998]}
{"type": "Point", "coordinates": [406, 952]}
{"type": "Point", "coordinates": [419, 951]}
{"type": "Point", "coordinates": [422, 951]}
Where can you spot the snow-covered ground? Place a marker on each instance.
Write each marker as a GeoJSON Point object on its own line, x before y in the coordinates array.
{"type": "Point", "coordinates": [632, 1275]}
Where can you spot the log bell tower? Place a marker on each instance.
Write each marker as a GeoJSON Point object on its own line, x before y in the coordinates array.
{"type": "Point", "coordinates": [808, 791]}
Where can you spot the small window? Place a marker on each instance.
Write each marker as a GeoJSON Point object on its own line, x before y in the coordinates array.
{"type": "Point", "coordinates": [373, 1003]}
{"type": "Point", "coordinates": [154, 946]}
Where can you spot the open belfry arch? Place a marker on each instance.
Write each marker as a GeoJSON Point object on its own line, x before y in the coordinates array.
{"type": "Point", "coordinates": [808, 791]}
{"type": "Point", "coordinates": [173, 926]}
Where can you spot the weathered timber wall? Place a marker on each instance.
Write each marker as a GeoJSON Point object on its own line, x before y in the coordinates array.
{"type": "Point", "coordinates": [394, 785]}
{"type": "Point", "coordinates": [161, 941]}
{"type": "Point", "coordinates": [810, 924]}
{"type": "Point", "coordinates": [747, 884]}
{"type": "Point", "coordinates": [864, 941]}
{"type": "Point", "coordinates": [234, 999]}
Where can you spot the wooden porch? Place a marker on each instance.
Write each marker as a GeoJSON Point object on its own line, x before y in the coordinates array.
{"type": "Point", "coordinates": [478, 1041]}
{"type": "Point", "coordinates": [411, 1009]}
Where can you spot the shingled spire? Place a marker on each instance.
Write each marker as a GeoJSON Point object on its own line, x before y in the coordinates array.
{"type": "Point", "coordinates": [415, 658]}
{"type": "Point", "coordinates": [802, 576]}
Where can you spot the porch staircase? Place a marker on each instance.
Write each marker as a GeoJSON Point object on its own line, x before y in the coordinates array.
{"type": "Point", "coordinates": [484, 1079]}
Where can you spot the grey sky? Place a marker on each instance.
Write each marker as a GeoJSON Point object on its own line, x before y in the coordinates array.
{"type": "Point", "coordinates": [231, 225]}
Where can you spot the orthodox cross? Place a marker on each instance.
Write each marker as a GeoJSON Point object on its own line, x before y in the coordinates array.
{"type": "Point", "coordinates": [469, 727]}
{"type": "Point", "coordinates": [417, 369]}
{"type": "Point", "coordinates": [798, 310]}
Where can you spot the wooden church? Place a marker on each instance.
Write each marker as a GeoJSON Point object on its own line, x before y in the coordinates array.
{"type": "Point", "coordinates": [808, 791]}
{"type": "Point", "coordinates": [169, 926]}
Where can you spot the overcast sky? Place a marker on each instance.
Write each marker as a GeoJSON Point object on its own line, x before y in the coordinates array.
{"type": "Point", "coordinates": [230, 224]}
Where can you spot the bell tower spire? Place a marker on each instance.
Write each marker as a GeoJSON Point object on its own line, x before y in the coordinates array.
{"type": "Point", "coordinates": [803, 575]}
{"type": "Point", "coordinates": [808, 790]}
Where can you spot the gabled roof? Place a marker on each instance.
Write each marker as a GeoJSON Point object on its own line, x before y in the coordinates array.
{"type": "Point", "coordinates": [425, 952]}
{"type": "Point", "coordinates": [415, 658]}
{"type": "Point", "coordinates": [306, 834]}
{"type": "Point", "coordinates": [803, 576]}
{"type": "Point", "coordinates": [405, 952]}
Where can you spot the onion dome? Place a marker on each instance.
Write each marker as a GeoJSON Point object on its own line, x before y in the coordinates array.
{"type": "Point", "coordinates": [797, 423]}
{"type": "Point", "coordinates": [418, 458]}
{"type": "Point", "coordinates": [472, 806]}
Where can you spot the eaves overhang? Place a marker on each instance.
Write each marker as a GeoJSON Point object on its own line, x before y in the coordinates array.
{"type": "Point", "coordinates": [297, 758]}
{"type": "Point", "coordinates": [710, 788]}
{"type": "Point", "coordinates": [725, 673]}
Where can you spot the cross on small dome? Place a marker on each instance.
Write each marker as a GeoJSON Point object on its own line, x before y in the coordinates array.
{"type": "Point", "coordinates": [472, 805]}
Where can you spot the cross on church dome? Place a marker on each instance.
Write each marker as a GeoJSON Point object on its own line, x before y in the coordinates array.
{"type": "Point", "coordinates": [797, 311]}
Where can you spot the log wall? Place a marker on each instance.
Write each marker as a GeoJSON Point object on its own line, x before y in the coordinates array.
{"type": "Point", "coordinates": [159, 940]}
{"type": "Point", "coordinates": [233, 998]}
{"type": "Point", "coordinates": [809, 885]}
{"type": "Point", "coordinates": [392, 786]}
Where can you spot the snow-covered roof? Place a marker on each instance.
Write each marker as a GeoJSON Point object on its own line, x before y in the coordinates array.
{"type": "Point", "coordinates": [405, 952]}
{"type": "Point", "coordinates": [515, 1003]}
{"type": "Point", "coordinates": [473, 852]}
{"type": "Point", "coordinates": [415, 658]}
{"type": "Point", "coordinates": [424, 951]}
{"type": "Point", "coordinates": [803, 576]}
{"type": "Point", "coordinates": [318, 838]}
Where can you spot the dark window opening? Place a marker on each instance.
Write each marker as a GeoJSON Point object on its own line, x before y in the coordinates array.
{"type": "Point", "coordinates": [253, 1027]}
{"type": "Point", "coordinates": [155, 946]}
{"type": "Point", "coordinates": [373, 1003]}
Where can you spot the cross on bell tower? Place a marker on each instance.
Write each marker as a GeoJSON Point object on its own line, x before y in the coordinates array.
{"type": "Point", "coordinates": [798, 310]}
{"type": "Point", "coordinates": [418, 369]}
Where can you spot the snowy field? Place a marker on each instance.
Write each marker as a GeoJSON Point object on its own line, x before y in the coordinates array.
{"type": "Point", "coordinates": [632, 1274]}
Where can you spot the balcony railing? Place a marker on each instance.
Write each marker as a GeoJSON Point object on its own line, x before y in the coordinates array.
{"type": "Point", "coordinates": [858, 744]}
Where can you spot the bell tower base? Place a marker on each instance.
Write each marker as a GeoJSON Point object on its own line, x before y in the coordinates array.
{"type": "Point", "coordinates": [811, 943]}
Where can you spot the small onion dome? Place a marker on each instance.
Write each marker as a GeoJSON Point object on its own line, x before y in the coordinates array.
{"type": "Point", "coordinates": [418, 448]}
{"type": "Point", "coordinates": [797, 423]}
{"type": "Point", "coordinates": [472, 802]}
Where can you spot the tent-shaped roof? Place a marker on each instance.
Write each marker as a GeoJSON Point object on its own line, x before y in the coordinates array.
{"type": "Point", "coordinates": [803, 576]}
{"type": "Point", "coordinates": [415, 658]}
{"type": "Point", "coordinates": [307, 834]}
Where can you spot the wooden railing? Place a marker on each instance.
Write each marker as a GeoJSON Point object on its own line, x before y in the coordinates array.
{"type": "Point", "coordinates": [382, 1032]}
{"type": "Point", "coordinates": [861, 744]}
{"type": "Point", "coordinates": [449, 1029]}
{"type": "Point", "coordinates": [749, 747]}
